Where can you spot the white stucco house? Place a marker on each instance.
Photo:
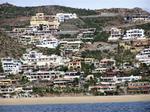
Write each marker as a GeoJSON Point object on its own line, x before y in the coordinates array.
{"type": "Point", "coordinates": [134, 34]}
{"type": "Point", "coordinates": [11, 65]}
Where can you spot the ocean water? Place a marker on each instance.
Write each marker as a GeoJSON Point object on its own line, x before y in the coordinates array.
{"type": "Point", "coordinates": [96, 107]}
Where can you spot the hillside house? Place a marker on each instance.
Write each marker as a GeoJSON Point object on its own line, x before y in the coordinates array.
{"type": "Point", "coordinates": [74, 65]}
{"type": "Point", "coordinates": [73, 75]}
{"type": "Point", "coordinates": [144, 56]}
{"type": "Point", "coordinates": [115, 34]}
{"type": "Point", "coordinates": [134, 34]}
{"type": "Point", "coordinates": [11, 65]}
{"type": "Point", "coordinates": [105, 88]}
{"type": "Point", "coordinates": [48, 21]}
{"type": "Point", "coordinates": [66, 16]}
{"type": "Point", "coordinates": [104, 65]}
{"type": "Point", "coordinates": [138, 87]}
{"type": "Point", "coordinates": [43, 75]}
{"type": "Point", "coordinates": [138, 18]}
{"type": "Point", "coordinates": [69, 44]}
{"type": "Point", "coordinates": [122, 79]}
{"type": "Point", "coordinates": [36, 58]}
{"type": "Point", "coordinates": [86, 34]}
{"type": "Point", "coordinates": [48, 43]}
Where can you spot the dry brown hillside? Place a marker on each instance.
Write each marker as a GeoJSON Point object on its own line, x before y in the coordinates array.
{"type": "Point", "coordinates": [9, 47]}
{"type": "Point", "coordinates": [15, 16]}
{"type": "Point", "coordinates": [123, 11]}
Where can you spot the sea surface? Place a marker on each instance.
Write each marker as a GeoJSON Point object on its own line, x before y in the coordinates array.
{"type": "Point", "coordinates": [96, 107]}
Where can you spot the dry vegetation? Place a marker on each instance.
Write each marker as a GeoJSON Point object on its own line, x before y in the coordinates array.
{"type": "Point", "coordinates": [9, 47]}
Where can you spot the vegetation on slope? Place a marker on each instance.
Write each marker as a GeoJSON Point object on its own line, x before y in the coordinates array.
{"type": "Point", "coordinates": [15, 16]}
{"type": "Point", "coordinates": [10, 47]}
{"type": "Point", "coordinates": [11, 11]}
{"type": "Point", "coordinates": [101, 22]}
{"type": "Point", "coordinates": [146, 26]}
{"type": "Point", "coordinates": [101, 36]}
{"type": "Point", "coordinates": [1, 68]}
{"type": "Point", "coordinates": [123, 11]}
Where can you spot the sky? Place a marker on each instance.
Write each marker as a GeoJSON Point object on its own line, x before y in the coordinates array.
{"type": "Point", "coordinates": [88, 4]}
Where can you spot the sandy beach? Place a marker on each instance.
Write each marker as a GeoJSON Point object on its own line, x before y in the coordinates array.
{"type": "Point", "coordinates": [73, 100]}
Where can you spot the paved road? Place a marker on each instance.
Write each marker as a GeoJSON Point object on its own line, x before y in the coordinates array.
{"type": "Point", "coordinates": [101, 15]}
{"type": "Point", "coordinates": [107, 28]}
{"type": "Point", "coordinates": [132, 24]}
{"type": "Point", "coordinates": [69, 32]}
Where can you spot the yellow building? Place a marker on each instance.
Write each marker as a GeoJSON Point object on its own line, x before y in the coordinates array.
{"type": "Point", "coordinates": [132, 47]}
{"type": "Point", "coordinates": [74, 65]}
{"type": "Point", "coordinates": [7, 81]}
{"type": "Point", "coordinates": [50, 21]}
{"type": "Point", "coordinates": [125, 45]}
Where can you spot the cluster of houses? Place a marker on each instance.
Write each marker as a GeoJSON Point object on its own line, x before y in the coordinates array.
{"type": "Point", "coordinates": [51, 21]}
{"type": "Point", "coordinates": [37, 67]}
{"type": "Point", "coordinates": [42, 30]}
{"type": "Point", "coordinates": [144, 56]}
{"type": "Point", "coordinates": [128, 35]}
{"type": "Point", "coordinates": [135, 37]}
{"type": "Point", "coordinates": [9, 86]}
{"type": "Point", "coordinates": [137, 18]}
{"type": "Point", "coordinates": [66, 69]}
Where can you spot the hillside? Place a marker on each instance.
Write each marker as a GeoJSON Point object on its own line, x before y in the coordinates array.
{"type": "Point", "coordinates": [123, 11]}
{"type": "Point", "coordinates": [15, 16]}
{"type": "Point", "coordinates": [9, 47]}
{"type": "Point", "coordinates": [11, 11]}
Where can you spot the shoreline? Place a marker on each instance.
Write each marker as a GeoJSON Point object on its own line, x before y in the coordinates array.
{"type": "Point", "coordinates": [74, 100]}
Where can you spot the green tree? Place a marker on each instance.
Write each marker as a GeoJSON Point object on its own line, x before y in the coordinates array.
{"type": "Point", "coordinates": [62, 36]}
{"type": "Point", "coordinates": [87, 68]}
{"type": "Point", "coordinates": [92, 54]}
{"type": "Point", "coordinates": [101, 36]}
{"type": "Point", "coordinates": [63, 68]}
{"type": "Point", "coordinates": [24, 80]}
{"type": "Point", "coordinates": [1, 68]}
{"type": "Point", "coordinates": [40, 90]}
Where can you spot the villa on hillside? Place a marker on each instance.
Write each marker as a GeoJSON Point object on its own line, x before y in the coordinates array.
{"type": "Point", "coordinates": [70, 44]}
{"type": "Point", "coordinates": [40, 40]}
{"type": "Point", "coordinates": [7, 89]}
{"type": "Point", "coordinates": [73, 75]}
{"type": "Point", "coordinates": [48, 43]}
{"type": "Point", "coordinates": [74, 65]}
{"type": "Point", "coordinates": [134, 34]}
{"type": "Point", "coordinates": [62, 82]}
{"type": "Point", "coordinates": [43, 75]}
{"type": "Point", "coordinates": [117, 79]}
{"type": "Point", "coordinates": [104, 65]}
{"type": "Point", "coordinates": [115, 35]}
{"type": "Point", "coordinates": [129, 35]}
{"type": "Point", "coordinates": [139, 88]}
{"type": "Point", "coordinates": [66, 16]}
{"type": "Point", "coordinates": [36, 58]}
{"type": "Point", "coordinates": [48, 21]}
{"type": "Point", "coordinates": [108, 85]}
{"type": "Point", "coordinates": [26, 39]}
{"type": "Point", "coordinates": [7, 81]}
{"type": "Point", "coordinates": [11, 65]}
{"type": "Point", "coordinates": [137, 18]}
{"type": "Point", "coordinates": [144, 56]}
{"type": "Point", "coordinates": [11, 91]}
{"type": "Point", "coordinates": [105, 88]}
{"type": "Point", "coordinates": [86, 34]}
